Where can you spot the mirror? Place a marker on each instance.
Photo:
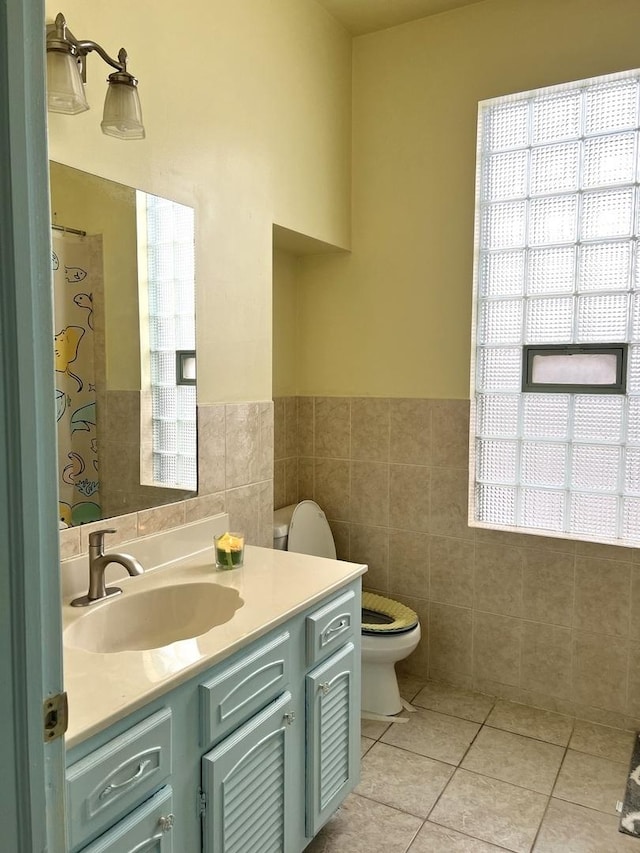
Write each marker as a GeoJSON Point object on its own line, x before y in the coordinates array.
{"type": "Point", "coordinates": [124, 347]}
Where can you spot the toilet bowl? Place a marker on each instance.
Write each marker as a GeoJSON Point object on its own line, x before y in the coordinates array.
{"type": "Point", "coordinates": [390, 630]}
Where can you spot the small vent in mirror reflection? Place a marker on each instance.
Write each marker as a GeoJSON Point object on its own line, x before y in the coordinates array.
{"type": "Point", "coordinates": [185, 367]}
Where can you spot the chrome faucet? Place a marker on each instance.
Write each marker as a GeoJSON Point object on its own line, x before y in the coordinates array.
{"type": "Point", "coordinates": [98, 562]}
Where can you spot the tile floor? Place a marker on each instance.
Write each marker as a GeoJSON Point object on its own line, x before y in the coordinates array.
{"type": "Point", "coordinates": [472, 774]}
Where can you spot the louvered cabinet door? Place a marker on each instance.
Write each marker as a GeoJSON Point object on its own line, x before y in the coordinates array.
{"type": "Point", "coordinates": [246, 787]}
{"type": "Point", "coordinates": [332, 716]}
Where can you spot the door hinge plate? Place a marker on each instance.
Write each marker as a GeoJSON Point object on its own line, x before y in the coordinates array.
{"type": "Point", "coordinates": [202, 802]}
{"type": "Point", "coordinates": [55, 712]}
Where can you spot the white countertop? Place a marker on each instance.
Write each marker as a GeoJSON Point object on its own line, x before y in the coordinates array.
{"type": "Point", "coordinates": [274, 586]}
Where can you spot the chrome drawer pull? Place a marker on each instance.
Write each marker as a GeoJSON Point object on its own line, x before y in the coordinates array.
{"type": "Point", "coordinates": [339, 627]}
{"type": "Point", "coordinates": [113, 786]}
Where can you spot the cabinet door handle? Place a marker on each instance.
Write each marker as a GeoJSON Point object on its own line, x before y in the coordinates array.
{"type": "Point", "coordinates": [325, 687]}
{"type": "Point", "coordinates": [166, 822]}
{"type": "Point", "coordinates": [113, 786]}
{"type": "Point", "coordinates": [342, 624]}
{"type": "Point", "coordinates": [289, 718]}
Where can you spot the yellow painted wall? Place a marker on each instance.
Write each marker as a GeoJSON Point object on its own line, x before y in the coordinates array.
{"type": "Point", "coordinates": [400, 305]}
{"type": "Point", "coordinates": [84, 201]}
{"type": "Point", "coordinates": [247, 108]}
{"type": "Point", "coordinates": [285, 320]}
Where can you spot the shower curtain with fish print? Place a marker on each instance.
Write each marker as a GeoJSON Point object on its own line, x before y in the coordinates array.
{"type": "Point", "coordinates": [74, 276]}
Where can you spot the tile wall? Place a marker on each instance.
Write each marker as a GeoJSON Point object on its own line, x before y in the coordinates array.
{"type": "Point", "coordinates": [120, 489]}
{"type": "Point", "coordinates": [235, 475]}
{"type": "Point", "coordinates": [548, 622]}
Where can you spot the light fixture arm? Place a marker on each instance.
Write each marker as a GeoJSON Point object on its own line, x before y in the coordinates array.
{"type": "Point", "coordinates": [59, 37]}
{"type": "Point", "coordinates": [85, 47]}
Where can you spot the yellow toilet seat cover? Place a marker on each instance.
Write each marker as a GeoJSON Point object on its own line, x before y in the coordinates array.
{"type": "Point", "coordinates": [402, 618]}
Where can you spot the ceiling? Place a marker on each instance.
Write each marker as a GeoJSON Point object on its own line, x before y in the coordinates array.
{"type": "Point", "coordinates": [367, 16]}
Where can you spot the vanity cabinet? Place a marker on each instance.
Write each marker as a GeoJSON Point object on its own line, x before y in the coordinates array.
{"type": "Point", "coordinates": [251, 756]}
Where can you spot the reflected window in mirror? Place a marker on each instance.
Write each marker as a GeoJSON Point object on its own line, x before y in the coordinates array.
{"type": "Point", "coordinates": [106, 441]}
{"type": "Point", "coordinates": [167, 300]}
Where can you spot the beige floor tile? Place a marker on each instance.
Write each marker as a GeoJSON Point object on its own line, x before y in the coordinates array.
{"type": "Point", "coordinates": [364, 826]}
{"type": "Point", "coordinates": [438, 839]}
{"type": "Point", "coordinates": [491, 810]}
{"type": "Point", "coordinates": [605, 742]}
{"type": "Point", "coordinates": [568, 828]}
{"type": "Point", "coordinates": [365, 745]}
{"type": "Point", "coordinates": [596, 783]}
{"type": "Point", "coordinates": [410, 686]}
{"type": "Point", "coordinates": [434, 735]}
{"type": "Point", "coordinates": [373, 729]}
{"type": "Point", "coordinates": [402, 779]}
{"type": "Point", "coordinates": [448, 699]}
{"type": "Point", "coordinates": [513, 758]}
{"type": "Point", "coordinates": [531, 722]}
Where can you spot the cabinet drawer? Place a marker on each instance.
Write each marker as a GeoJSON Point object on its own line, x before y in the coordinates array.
{"type": "Point", "coordinates": [147, 830]}
{"type": "Point", "coordinates": [109, 782]}
{"type": "Point", "coordinates": [240, 690]}
{"type": "Point", "coordinates": [330, 626]}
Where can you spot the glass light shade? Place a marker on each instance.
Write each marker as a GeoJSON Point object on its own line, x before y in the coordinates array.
{"type": "Point", "coordinates": [122, 115]}
{"type": "Point", "coordinates": [65, 90]}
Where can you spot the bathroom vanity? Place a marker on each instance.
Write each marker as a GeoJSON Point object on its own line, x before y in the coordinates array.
{"type": "Point", "coordinates": [245, 738]}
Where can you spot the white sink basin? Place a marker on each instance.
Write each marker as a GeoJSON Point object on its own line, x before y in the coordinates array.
{"type": "Point", "coordinates": [151, 618]}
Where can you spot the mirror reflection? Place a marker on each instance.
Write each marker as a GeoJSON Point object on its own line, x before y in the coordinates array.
{"type": "Point", "coordinates": [124, 310]}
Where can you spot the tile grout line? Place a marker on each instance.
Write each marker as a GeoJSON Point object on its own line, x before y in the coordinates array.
{"type": "Point", "coordinates": [511, 784]}
{"type": "Point", "coordinates": [456, 767]}
{"type": "Point", "coordinates": [529, 737]}
{"type": "Point", "coordinates": [555, 782]}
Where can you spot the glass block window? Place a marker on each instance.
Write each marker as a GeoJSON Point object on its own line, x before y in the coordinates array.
{"type": "Point", "coordinates": [167, 244]}
{"type": "Point", "coordinates": [557, 262]}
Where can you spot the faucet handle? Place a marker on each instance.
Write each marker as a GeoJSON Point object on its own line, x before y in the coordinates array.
{"type": "Point", "coordinates": [96, 539]}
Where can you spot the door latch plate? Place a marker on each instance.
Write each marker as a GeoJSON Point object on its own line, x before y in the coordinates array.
{"type": "Point", "coordinates": [55, 711]}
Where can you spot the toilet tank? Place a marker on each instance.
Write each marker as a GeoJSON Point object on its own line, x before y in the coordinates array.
{"type": "Point", "coordinates": [281, 522]}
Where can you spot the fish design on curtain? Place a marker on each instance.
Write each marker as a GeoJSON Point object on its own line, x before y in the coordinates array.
{"type": "Point", "coordinates": [74, 362]}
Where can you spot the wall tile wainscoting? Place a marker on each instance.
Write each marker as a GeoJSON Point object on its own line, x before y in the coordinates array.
{"type": "Point", "coordinates": [547, 622]}
{"type": "Point", "coordinates": [235, 462]}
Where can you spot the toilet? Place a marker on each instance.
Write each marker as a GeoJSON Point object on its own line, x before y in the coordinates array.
{"type": "Point", "coordinates": [390, 630]}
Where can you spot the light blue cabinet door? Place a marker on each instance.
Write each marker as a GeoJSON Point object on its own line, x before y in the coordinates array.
{"type": "Point", "coordinates": [332, 721]}
{"type": "Point", "coordinates": [246, 783]}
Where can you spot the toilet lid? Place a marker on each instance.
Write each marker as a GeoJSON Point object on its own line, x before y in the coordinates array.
{"type": "Point", "coordinates": [309, 531]}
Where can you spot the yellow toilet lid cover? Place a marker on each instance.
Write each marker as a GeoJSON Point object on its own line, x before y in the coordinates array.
{"type": "Point", "coordinates": [403, 617]}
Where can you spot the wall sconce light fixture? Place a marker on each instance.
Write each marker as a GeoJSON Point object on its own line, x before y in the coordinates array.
{"type": "Point", "coordinates": [66, 74]}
